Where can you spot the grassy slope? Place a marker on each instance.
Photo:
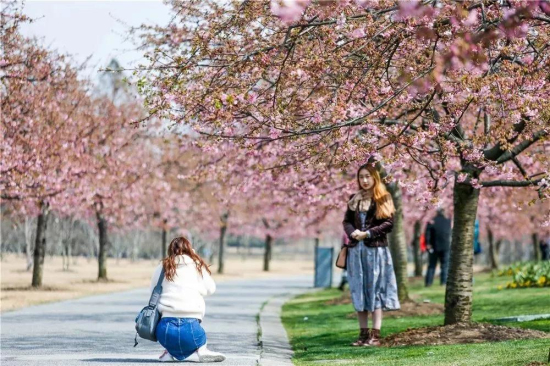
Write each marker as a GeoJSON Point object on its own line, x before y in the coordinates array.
{"type": "Point", "coordinates": [325, 336]}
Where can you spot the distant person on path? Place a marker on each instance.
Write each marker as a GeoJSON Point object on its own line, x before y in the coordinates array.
{"type": "Point", "coordinates": [368, 219]}
{"type": "Point", "coordinates": [186, 280]}
{"type": "Point", "coordinates": [438, 241]}
{"type": "Point", "coordinates": [477, 244]}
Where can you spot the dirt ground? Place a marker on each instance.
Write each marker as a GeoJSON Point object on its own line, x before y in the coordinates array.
{"type": "Point", "coordinates": [409, 308]}
{"type": "Point", "coordinates": [123, 274]}
{"type": "Point", "coordinates": [460, 333]}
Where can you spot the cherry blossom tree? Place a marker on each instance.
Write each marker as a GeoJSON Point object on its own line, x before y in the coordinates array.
{"type": "Point", "coordinates": [63, 149]}
{"type": "Point", "coordinates": [42, 97]}
{"type": "Point", "coordinates": [457, 87]}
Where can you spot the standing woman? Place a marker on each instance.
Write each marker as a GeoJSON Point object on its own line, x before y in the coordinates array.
{"type": "Point", "coordinates": [181, 304]}
{"type": "Point", "coordinates": [369, 218]}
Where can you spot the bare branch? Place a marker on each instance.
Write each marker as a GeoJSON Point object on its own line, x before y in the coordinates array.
{"type": "Point", "coordinates": [518, 149]}
{"type": "Point", "coordinates": [496, 151]}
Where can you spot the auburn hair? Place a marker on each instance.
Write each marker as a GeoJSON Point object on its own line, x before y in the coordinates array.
{"type": "Point", "coordinates": [382, 198]}
{"type": "Point", "coordinates": [181, 246]}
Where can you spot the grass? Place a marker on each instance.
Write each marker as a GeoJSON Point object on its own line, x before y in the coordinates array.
{"type": "Point", "coordinates": [320, 334]}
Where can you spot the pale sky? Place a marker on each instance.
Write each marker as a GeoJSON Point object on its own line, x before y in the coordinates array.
{"type": "Point", "coordinates": [93, 28]}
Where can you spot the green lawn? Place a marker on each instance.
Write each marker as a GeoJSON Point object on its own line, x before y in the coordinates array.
{"type": "Point", "coordinates": [320, 334]}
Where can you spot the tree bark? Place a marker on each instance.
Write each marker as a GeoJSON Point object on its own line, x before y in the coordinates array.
{"type": "Point", "coordinates": [416, 249]}
{"type": "Point", "coordinates": [267, 252]}
{"type": "Point", "coordinates": [103, 242]}
{"type": "Point", "coordinates": [398, 245]}
{"type": "Point", "coordinates": [493, 250]}
{"type": "Point", "coordinates": [223, 229]}
{"type": "Point", "coordinates": [40, 245]}
{"type": "Point", "coordinates": [458, 295]}
{"type": "Point", "coordinates": [536, 249]}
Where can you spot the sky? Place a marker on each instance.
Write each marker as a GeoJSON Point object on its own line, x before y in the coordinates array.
{"type": "Point", "coordinates": [93, 28]}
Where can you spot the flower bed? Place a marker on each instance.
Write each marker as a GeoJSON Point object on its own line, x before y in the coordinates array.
{"type": "Point", "coordinates": [529, 274]}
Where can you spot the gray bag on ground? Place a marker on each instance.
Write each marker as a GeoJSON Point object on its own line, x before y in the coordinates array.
{"type": "Point", "coordinates": [149, 316]}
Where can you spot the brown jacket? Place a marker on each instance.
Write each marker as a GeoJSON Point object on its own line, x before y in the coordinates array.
{"type": "Point", "coordinates": [378, 228]}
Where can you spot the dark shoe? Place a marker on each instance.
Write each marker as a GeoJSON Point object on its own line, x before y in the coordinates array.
{"type": "Point", "coordinates": [363, 338]}
{"type": "Point", "coordinates": [374, 338]}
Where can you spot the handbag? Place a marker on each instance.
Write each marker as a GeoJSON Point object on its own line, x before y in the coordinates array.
{"type": "Point", "coordinates": [149, 316]}
{"type": "Point", "coordinates": [341, 260]}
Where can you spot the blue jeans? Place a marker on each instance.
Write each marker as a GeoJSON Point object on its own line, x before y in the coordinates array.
{"type": "Point", "coordinates": [180, 336]}
{"type": "Point", "coordinates": [443, 258]}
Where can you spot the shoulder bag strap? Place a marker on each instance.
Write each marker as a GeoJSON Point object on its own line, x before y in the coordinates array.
{"type": "Point", "coordinates": [155, 296]}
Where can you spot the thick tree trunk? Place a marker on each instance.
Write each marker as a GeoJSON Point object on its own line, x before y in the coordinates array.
{"type": "Point", "coordinates": [493, 250]}
{"type": "Point", "coordinates": [267, 252]}
{"type": "Point", "coordinates": [458, 295]}
{"type": "Point", "coordinates": [164, 249]}
{"type": "Point", "coordinates": [223, 229]}
{"type": "Point", "coordinates": [537, 255]}
{"type": "Point", "coordinates": [398, 245]}
{"type": "Point", "coordinates": [40, 246]}
{"type": "Point", "coordinates": [416, 249]}
{"type": "Point", "coordinates": [103, 242]}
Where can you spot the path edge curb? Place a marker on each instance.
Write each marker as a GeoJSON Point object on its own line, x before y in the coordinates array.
{"type": "Point", "coordinates": [275, 348]}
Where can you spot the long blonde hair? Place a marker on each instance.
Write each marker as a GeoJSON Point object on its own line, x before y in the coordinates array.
{"type": "Point", "coordinates": [384, 203]}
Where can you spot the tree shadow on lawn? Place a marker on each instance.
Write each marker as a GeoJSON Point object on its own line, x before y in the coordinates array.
{"type": "Point", "coordinates": [334, 347]}
{"type": "Point", "coordinates": [540, 324]}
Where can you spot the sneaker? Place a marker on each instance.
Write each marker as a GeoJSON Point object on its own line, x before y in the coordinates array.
{"type": "Point", "coordinates": [166, 357]}
{"type": "Point", "coordinates": [205, 355]}
{"type": "Point", "coordinates": [193, 358]}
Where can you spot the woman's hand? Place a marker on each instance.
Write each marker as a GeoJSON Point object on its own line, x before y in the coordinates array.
{"type": "Point", "coordinates": [355, 233]}
{"type": "Point", "coordinates": [362, 235]}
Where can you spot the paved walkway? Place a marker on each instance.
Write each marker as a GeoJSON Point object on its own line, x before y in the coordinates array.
{"type": "Point", "coordinates": [242, 321]}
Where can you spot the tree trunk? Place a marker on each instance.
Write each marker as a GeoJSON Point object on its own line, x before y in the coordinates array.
{"type": "Point", "coordinates": [416, 249]}
{"type": "Point", "coordinates": [136, 240]}
{"type": "Point", "coordinates": [223, 229]}
{"type": "Point", "coordinates": [458, 295]}
{"type": "Point", "coordinates": [63, 256]}
{"type": "Point", "coordinates": [536, 249]}
{"type": "Point", "coordinates": [398, 245]}
{"type": "Point", "coordinates": [164, 249]}
{"type": "Point", "coordinates": [493, 250]}
{"type": "Point", "coordinates": [103, 242]}
{"type": "Point", "coordinates": [315, 249]}
{"type": "Point", "coordinates": [68, 255]}
{"type": "Point", "coordinates": [28, 243]}
{"type": "Point", "coordinates": [40, 245]}
{"type": "Point", "coordinates": [518, 250]}
{"type": "Point", "coordinates": [267, 253]}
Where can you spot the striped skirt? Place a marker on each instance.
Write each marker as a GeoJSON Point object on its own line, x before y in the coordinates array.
{"type": "Point", "coordinates": [371, 278]}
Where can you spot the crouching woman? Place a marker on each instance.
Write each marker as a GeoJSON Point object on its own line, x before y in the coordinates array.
{"type": "Point", "coordinates": [181, 304]}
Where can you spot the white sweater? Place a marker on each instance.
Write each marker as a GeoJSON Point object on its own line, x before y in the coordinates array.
{"type": "Point", "coordinates": [183, 297]}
